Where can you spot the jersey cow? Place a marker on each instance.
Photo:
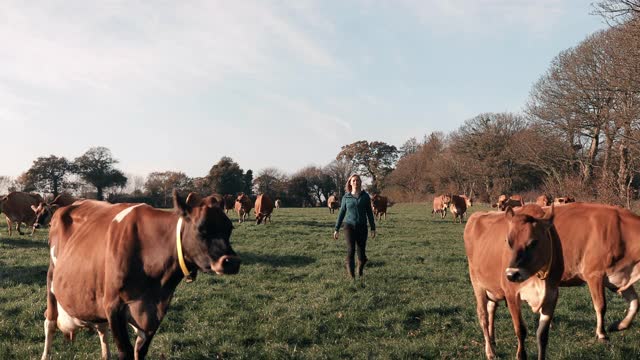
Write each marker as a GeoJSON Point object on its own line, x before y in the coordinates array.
{"type": "Point", "coordinates": [264, 208]}
{"type": "Point", "coordinates": [243, 206]}
{"type": "Point", "coordinates": [459, 205]}
{"type": "Point", "coordinates": [229, 203]}
{"type": "Point", "coordinates": [379, 204]}
{"type": "Point", "coordinates": [278, 203]}
{"type": "Point", "coordinates": [440, 205]}
{"type": "Point", "coordinates": [514, 257]}
{"type": "Point", "coordinates": [114, 265]}
{"type": "Point", "coordinates": [333, 204]}
{"type": "Point", "coordinates": [44, 211]}
{"type": "Point", "coordinates": [543, 200]}
{"type": "Point", "coordinates": [17, 209]}
{"type": "Point", "coordinates": [513, 201]}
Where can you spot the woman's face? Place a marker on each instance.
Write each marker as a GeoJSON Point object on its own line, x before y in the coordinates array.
{"type": "Point", "coordinates": [356, 182]}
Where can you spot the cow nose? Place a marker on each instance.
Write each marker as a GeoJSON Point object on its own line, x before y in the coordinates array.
{"type": "Point", "coordinates": [513, 275]}
{"type": "Point", "coordinates": [227, 264]}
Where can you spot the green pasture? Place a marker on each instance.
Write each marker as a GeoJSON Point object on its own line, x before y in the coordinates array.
{"type": "Point", "coordinates": [292, 300]}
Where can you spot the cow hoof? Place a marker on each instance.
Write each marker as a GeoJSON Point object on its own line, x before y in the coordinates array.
{"type": "Point", "coordinates": [603, 339]}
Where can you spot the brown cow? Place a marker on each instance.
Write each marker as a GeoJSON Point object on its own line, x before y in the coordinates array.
{"type": "Point", "coordinates": [229, 203]}
{"type": "Point", "coordinates": [44, 211]}
{"type": "Point", "coordinates": [527, 266]}
{"type": "Point", "coordinates": [600, 248]}
{"type": "Point", "coordinates": [379, 204]}
{"type": "Point", "coordinates": [543, 200]}
{"type": "Point", "coordinates": [440, 205]}
{"type": "Point", "coordinates": [564, 200]}
{"type": "Point", "coordinates": [243, 206]}
{"type": "Point", "coordinates": [458, 207]}
{"type": "Point", "coordinates": [113, 265]}
{"type": "Point", "coordinates": [264, 208]}
{"type": "Point", "coordinates": [513, 201]}
{"type": "Point", "coordinates": [16, 207]}
{"type": "Point", "coordinates": [333, 203]}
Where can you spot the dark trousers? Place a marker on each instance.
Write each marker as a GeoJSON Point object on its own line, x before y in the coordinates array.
{"type": "Point", "coordinates": [356, 237]}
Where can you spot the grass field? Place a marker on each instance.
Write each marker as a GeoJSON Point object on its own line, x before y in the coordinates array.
{"type": "Point", "coordinates": [292, 300]}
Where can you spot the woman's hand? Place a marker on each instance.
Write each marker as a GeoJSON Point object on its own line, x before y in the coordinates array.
{"type": "Point", "coordinates": [373, 234]}
{"type": "Point", "coordinates": [335, 235]}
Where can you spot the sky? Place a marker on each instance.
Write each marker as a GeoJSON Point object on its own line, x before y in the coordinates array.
{"type": "Point", "coordinates": [176, 85]}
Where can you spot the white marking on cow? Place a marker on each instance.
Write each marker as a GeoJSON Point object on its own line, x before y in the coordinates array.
{"type": "Point", "coordinates": [121, 215]}
{"type": "Point", "coordinates": [53, 255]}
{"type": "Point", "coordinates": [533, 291]}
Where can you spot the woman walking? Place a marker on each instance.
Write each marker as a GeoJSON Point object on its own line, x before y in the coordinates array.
{"type": "Point", "coordinates": [355, 209]}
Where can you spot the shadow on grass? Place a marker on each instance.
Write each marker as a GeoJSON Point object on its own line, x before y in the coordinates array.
{"type": "Point", "coordinates": [312, 223]}
{"type": "Point", "coordinates": [276, 260]}
{"type": "Point", "coordinates": [23, 243]}
{"type": "Point", "coordinates": [28, 275]}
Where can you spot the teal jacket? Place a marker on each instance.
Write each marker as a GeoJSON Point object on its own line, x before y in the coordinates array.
{"type": "Point", "coordinates": [357, 211]}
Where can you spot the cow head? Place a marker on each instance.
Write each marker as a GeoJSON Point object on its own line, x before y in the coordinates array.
{"type": "Point", "coordinates": [500, 204]}
{"type": "Point", "coordinates": [43, 212]}
{"type": "Point", "coordinates": [206, 234]}
{"type": "Point", "coordinates": [530, 244]}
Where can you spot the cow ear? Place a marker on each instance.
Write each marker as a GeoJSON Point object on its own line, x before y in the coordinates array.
{"type": "Point", "coordinates": [193, 199]}
{"type": "Point", "coordinates": [509, 213]}
{"type": "Point", "coordinates": [180, 205]}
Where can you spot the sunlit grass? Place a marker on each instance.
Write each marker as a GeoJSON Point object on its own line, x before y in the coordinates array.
{"type": "Point", "coordinates": [292, 300]}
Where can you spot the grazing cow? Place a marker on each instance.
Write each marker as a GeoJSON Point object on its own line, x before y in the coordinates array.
{"type": "Point", "coordinates": [264, 208]}
{"type": "Point", "coordinates": [278, 203]}
{"type": "Point", "coordinates": [440, 205]}
{"type": "Point", "coordinates": [527, 265]}
{"type": "Point", "coordinates": [229, 203]}
{"type": "Point", "coordinates": [333, 204]}
{"type": "Point", "coordinates": [16, 207]}
{"type": "Point", "coordinates": [513, 201]}
{"type": "Point", "coordinates": [564, 200]}
{"type": "Point", "coordinates": [458, 207]}
{"type": "Point", "coordinates": [243, 206]}
{"type": "Point", "coordinates": [543, 200]}
{"type": "Point", "coordinates": [44, 211]}
{"type": "Point", "coordinates": [379, 204]}
{"type": "Point", "coordinates": [113, 265]}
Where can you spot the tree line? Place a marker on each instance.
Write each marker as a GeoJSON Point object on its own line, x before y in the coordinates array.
{"type": "Point", "coordinates": [579, 135]}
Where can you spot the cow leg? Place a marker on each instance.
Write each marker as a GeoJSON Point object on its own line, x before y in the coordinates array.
{"type": "Point", "coordinates": [546, 314]}
{"type": "Point", "coordinates": [50, 315]}
{"type": "Point", "coordinates": [9, 224]}
{"type": "Point", "coordinates": [513, 303]}
{"type": "Point", "coordinates": [596, 288]}
{"type": "Point", "coordinates": [18, 228]}
{"type": "Point", "coordinates": [631, 297]}
{"type": "Point", "coordinates": [118, 325]}
{"type": "Point", "coordinates": [143, 340]}
{"type": "Point", "coordinates": [491, 312]}
{"type": "Point", "coordinates": [485, 317]}
{"type": "Point", "coordinates": [103, 333]}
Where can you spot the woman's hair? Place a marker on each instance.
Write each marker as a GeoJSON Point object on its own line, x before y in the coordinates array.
{"type": "Point", "coordinates": [347, 187]}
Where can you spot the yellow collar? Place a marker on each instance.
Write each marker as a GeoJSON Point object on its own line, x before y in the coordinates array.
{"type": "Point", "coordinates": [183, 266]}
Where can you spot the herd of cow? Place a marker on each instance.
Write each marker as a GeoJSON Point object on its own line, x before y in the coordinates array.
{"type": "Point", "coordinates": [118, 265]}
{"type": "Point", "coordinates": [379, 204]}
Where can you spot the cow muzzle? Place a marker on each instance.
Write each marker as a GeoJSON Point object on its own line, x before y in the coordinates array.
{"type": "Point", "coordinates": [516, 274]}
{"type": "Point", "coordinates": [226, 265]}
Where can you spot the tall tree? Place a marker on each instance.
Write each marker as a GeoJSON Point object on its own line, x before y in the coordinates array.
{"type": "Point", "coordinates": [247, 180]}
{"type": "Point", "coordinates": [50, 174]}
{"type": "Point", "coordinates": [160, 185]}
{"type": "Point", "coordinates": [270, 181]}
{"type": "Point", "coordinates": [374, 159]}
{"type": "Point", "coordinates": [96, 168]}
{"type": "Point", "coordinates": [225, 177]}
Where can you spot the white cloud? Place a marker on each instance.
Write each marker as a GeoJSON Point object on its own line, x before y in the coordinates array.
{"type": "Point", "coordinates": [63, 45]}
